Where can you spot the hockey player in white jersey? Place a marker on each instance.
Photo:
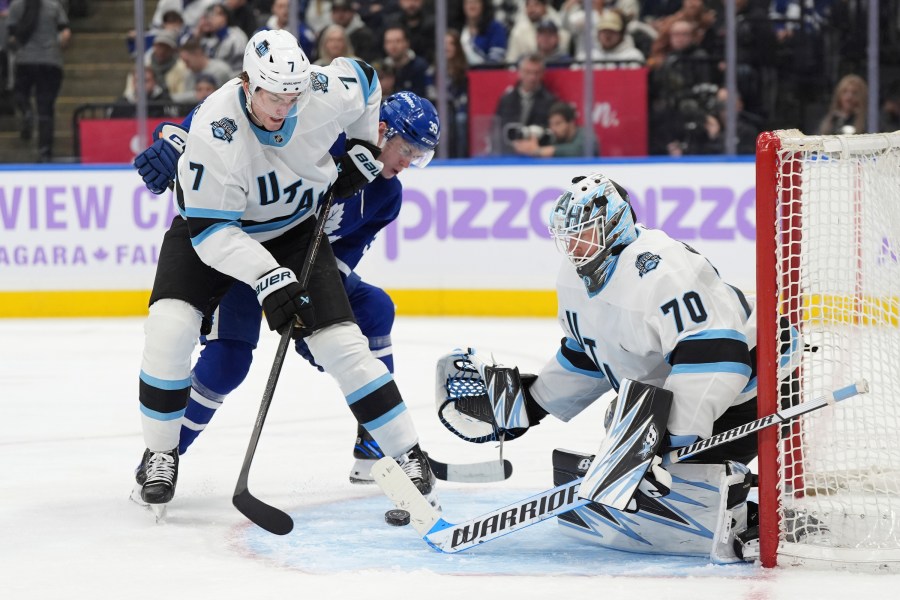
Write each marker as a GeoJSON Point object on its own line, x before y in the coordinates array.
{"type": "Point", "coordinates": [255, 169]}
{"type": "Point", "coordinates": [635, 305]}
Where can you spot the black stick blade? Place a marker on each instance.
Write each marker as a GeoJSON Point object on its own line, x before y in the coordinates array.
{"type": "Point", "coordinates": [268, 517]}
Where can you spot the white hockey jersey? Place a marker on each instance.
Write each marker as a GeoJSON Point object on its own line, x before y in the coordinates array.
{"type": "Point", "coordinates": [665, 317]}
{"type": "Point", "coordinates": [243, 185]}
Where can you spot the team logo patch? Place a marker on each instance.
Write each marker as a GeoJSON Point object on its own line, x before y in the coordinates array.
{"type": "Point", "coordinates": [646, 262]}
{"type": "Point", "coordinates": [649, 444]}
{"type": "Point", "coordinates": [262, 48]}
{"type": "Point", "coordinates": [279, 139]}
{"type": "Point", "coordinates": [319, 82]}
{"type": "Point", "coordinates": [223, 129]}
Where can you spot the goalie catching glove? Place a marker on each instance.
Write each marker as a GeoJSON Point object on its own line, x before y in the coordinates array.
{"type": "Point", "coordinates": [158, 163]}
{"type": "Point", "coordinates": [358, 167]}
{"type": "Point", "coordinates": [484, 403]}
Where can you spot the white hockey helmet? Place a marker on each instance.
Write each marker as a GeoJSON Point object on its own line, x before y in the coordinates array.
{"type": "Point", "coordinates": [274, 61]}
{"type": "Point", "coordinates": [592, 222]}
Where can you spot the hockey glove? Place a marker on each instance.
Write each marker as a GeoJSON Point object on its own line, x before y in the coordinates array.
{"type": "Point", "coordinates": [285, 303]}
{"type": "Point", "coordinates": [483, 403]}
{"type": "Point", "coordinates": [356, 168]}
{"type": "Point", "coordinates": [158, 163]}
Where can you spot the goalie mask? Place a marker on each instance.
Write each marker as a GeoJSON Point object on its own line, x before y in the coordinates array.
{"type": "Point", "coordinates": [273, 61]}
{"type": "Point", "coordinates": [591, 223]}
{"type": "Point", "coordinates": [413, 123]}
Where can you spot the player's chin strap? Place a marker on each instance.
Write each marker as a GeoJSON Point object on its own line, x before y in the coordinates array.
{"type": "Point", "coordinates": [455, 537]}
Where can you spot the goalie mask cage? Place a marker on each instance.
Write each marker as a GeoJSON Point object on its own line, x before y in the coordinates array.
{"type": "Point", "coordinates": [828, 286]}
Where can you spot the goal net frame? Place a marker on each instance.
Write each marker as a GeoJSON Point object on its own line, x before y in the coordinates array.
{"type": "Point", "coordinates": [823, 296]}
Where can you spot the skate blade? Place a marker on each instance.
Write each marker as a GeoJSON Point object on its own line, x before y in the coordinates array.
{"type": "Point", "coordinates": [361, 472]}
{"type": "Point", "coordinates": [159, 511]}
{"type": "Point", "coordinates": [135, 496]}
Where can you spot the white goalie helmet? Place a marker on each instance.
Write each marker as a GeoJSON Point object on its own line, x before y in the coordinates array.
{"type": "Point", "coordinates": [274, 61]}
{"type": "Point", "coordinates": [592, 222]}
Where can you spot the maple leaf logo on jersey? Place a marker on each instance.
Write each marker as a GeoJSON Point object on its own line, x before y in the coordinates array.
{"type": "Point", "coordinates": [646, 262]}
{"type": "Point", "coordinates": [223, 129]}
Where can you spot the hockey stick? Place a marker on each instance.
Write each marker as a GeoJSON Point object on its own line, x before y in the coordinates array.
{"type": "Point", "coordinates": [455, 537]}
{"type": "Point", "coordinates": [266, 516]}
{"type": "Point", "coordinates": [480, 472]}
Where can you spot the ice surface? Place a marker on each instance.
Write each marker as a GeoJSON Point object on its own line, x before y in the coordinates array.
{"type": "Point", "coordinates": [70, 439]}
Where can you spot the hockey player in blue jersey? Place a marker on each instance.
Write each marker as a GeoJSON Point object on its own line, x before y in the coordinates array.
{"type": "Point", "coordinates": [409, 131]}
{"type": "Point", "coordinates": [271, 127]}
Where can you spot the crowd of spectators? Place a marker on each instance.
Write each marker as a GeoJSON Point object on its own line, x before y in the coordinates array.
{"type": "Point", "coordinates": [799, 62]}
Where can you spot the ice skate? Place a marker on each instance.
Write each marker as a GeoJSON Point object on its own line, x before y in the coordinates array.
{"type": "Point", "coordinates": [155, 480]}
{"type": "Point", "coordinates": [365, 453]}
{"type": "Point", "coordinates": [415, 464]}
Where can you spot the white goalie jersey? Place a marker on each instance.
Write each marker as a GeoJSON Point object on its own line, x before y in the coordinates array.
{"type": "Point", "coordinates": [666, 318]}
{"type": "Point", "coordinates": [240, 185]}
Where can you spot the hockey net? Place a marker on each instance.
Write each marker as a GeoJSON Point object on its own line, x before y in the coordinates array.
{"type": "Point", "coordinates": [828, 288]}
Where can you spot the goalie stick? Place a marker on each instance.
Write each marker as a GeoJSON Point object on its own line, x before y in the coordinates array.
{"type": "Point", "coordinates": [480, 472]}
{"type": "Point", "coordinates": [448, 537]}
{"type": "Point", "coordinates": [268, 517]}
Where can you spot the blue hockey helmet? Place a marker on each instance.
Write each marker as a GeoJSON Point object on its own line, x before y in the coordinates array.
{"type": "Point", "coordinates": [416, 121]}
{"type": "Point", "coordinates": [592, 222]}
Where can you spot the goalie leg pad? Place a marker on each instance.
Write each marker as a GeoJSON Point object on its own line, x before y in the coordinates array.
{"type": "Point", "coordinates": [700, 517]}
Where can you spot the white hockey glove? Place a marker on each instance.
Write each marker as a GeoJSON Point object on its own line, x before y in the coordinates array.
{"type": "Point", "coordinates": [483, 403]}
{"type": "Point", "coordinates": [158, 163]}
{"type": "Point", "coordinates": [358, 167]}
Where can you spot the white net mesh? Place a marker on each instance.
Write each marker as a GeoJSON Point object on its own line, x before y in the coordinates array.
{"type": "Point", "coordinates": [838, 273]}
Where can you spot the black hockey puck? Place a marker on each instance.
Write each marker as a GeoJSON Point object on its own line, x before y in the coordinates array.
{"type": "Point", "coordinates": [396, 517]}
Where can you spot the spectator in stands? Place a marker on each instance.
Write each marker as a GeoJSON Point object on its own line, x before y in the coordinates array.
{"type": "Point", "coordinates": [890, 109]}
{"type": "Point", "coordinates": [191, 11]}
{"type": "Point", "coordinates": [523, 36]}
{"type": "Point", "coordinates": [419, 25]}
{"type": "Point", "coordinates": [694, 12]}
{"type": "Point", "coordinates": [38, 31]}
{"type": "Point", "coordinates": [549, 47]}
{"type": "Point", "coordinates": [614, 44]}
{"type": "Point", "coordinates": [681, 90]}
{"type": "Point", "coordinates": [317, 14]}
{"type": "Point", "coordinates": [711, 138]}
{"type": "Point", "coordinates": [362, 38]}
{"type": "Point", "coordinates": [205, 85]}
{"type": "Point", "coordinates": [483, 38]}
{"type": "Point", "coordinates": [334, 42]}
{"type": "Point", "coordinates": [199, 64]}
{"type": "Point", "coordinates": [243, 15]}
{"type": "Point", "coordinates": [387, 78]}
{"type": "Point", "coordinates": [506, 12]}
{"type": "Point", "coordinates": [573, 18]}
{"type": "Point", "coordinates": [220, 39]}
{"type": "Point", "coordinates": [167, 66]}
{"type": "Point", "coordinates": [171, 21]}
{"type": "Point", "coordinates": [5, 80]}
{"type": "Point", "coordinates": [412, 72]}
{"type": "Point", "coordinates": [565, 139]}
{"type": "Point", "coordinates": [526, 103]}
{"type": "Point", "coordinates": [456, 135]}
{"type": "Point", "coordinates": [304, 34]}
{"type": "Point", "coordinates": [847, 112]}
{"type": "Point", "coordinates": [159, 104]}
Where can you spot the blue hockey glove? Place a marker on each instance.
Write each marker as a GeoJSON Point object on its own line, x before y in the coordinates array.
{"type": "Point", "coordinates": [158, 163]}
{"type": "Point", "coordinates": [284, 301]}
{"type": "Point", "coordinates": [356, 168]}
{"type": "Point", "coordinates": [303, 350]}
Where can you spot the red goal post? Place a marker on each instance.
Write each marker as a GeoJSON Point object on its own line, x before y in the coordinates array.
{"type": "Point", "coordinates": [828, 310]}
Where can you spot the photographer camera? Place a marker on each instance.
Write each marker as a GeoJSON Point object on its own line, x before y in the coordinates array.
{"type": "Point", "coordinates": [562, 138]}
